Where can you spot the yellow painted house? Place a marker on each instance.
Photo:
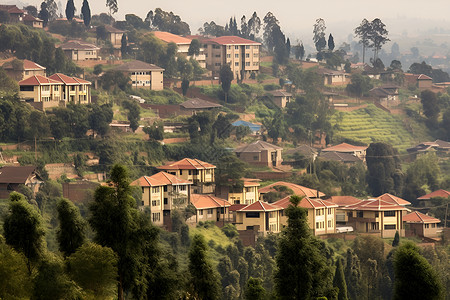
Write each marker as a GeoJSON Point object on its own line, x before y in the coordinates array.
{"type": "Point", "coordinates": [41, 92]}
{"type": "Point", "coordinates": [80, 50]}
{"type": "Point", "coordinates": [143, 75]}
{"type": "Point", "coordinates": [210, 208]}
{"type": "Point", "coordinates": [259, 216]}
{"type": "Point", "coordinates": [321, 214]}
{"type": "Point", "coordinates": [75, 90]}
{"type": "Point", "coordinates": [200, 173]}
{"type": "Point", "coordinates": [27, 69]}
{"type": "Point", "coordinates": [245, 194]}
{"type": "Point", "coordinates": [163, 192]}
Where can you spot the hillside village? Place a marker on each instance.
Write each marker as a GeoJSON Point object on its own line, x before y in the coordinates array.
{"type": "Point", "coordinates": [214, 140]}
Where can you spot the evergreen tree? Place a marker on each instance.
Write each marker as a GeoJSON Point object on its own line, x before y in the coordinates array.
{"type": "Point", "coordinates": [86, 12]}
{"type": "Point", "coordinates": [70, 10]}
{"type": "Point", "coordinates": [72, 227]}
{"type": "Point", "coordinates": [15, 282]}
{"type": "Point", "coordinates": [43, 14]}
{"type": "Point", "coordinates": [339, 280]}
{"type": "Point", "coordinates": [226, 76]}
{"type": "Point", "coordinates": [119, 225]}
{"type": "Point", "coordinates": [396, 240]}
{"type": "Point", "coordinates": [302, 271]}
{"type": "Point", "coordinates": [254, 290]}
{"type": "Point", "coordinates": [124, 45]}
{"type": "Point", "coordinates": [204, 281]}
{"type": "Point", "coordinates": [353, 275]}
{"type": "Point", "coordinates": [414, 276]}
{"type": "Point", "coordinates": [331, 42]}
{"type": "Point", "coordinates": [24, 231]}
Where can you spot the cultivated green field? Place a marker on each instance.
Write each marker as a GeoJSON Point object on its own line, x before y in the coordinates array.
{"type": "Point", "coordinates": [372, 124]}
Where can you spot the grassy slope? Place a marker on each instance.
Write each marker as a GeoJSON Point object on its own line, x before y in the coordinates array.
{"type": "Point", "coordinates": [374, 125]}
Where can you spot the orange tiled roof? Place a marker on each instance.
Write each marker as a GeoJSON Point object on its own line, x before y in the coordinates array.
{"type": "Point", "coordinates": [159, 179]}
{"type": "Point", "coordinates": [38, 80]}
{"type": "Point", "coordinates": [394, 199]}
{"type": "Point", "coordinates": [344, 200]}
{"type": "Point", "coordinates": [67, 80]}
{"type": "Point", "coordinates": [231, 40]}
{"type": "Point", "coordinates": [297, 189]}
{"type": "Point", "coordinates": [207, 201]}
{"type": "Point", "coordinates": [344, 147]}
{"type": "Point", "coordinates": [187, 164]}
{"type": "Point", "coordinates": [375, 205]}
{"type": "Point", "coordinates": [260, 206]}
{"type": "Point", "coordinates": [418, 217]}
{"type": "Point", "coordinates": [171, 38]}
{"type": "Point", "coordinates": [424, 77]}
{"type": "Point", "coordinates": [30, 65]}
{"type": "Point", "coordinates": [435, 194]}
{"type": "Point", "coordinates": [306, 203]}
{"type": "Point", "coordinates": [251, 181]}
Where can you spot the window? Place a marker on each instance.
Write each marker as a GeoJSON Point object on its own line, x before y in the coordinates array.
{"type": "Point", "coordinates": [228, 55]}
{"type": "Point", "coordinates": [247, 55]}
{"type": "Point", "coordinates": [236, 55]}
{"type": "Point", "coordinates": [236, 64]}
{"type": "Point", "coordinates": [182, 187]}
{"type": "Point", "coordinates": [142, 203]}
{"type": "Point", "coordinates": [200, 212]}
{"type": "Point", "coordinates": [46, 88]}
{"type": "Point", "coordinates": [56, 88]}
{"type": "Point", "coordinates": [165, 189]}
{"type": "Point", "coordinates": [156, 217]}
{"type": "Point", "coordinates": [156, 202]}
{"type": "Point", "coordinates": [247, 64]}
{"type": "Point", "coordinates": [217, 55]}
{"type": "Point", "coordinates": [247, 47]}
{"type": "Point", "coordinates": [155, 189]}
{"type": "Point", "coordinates": [217, 64]}
{"type": "Point", "coordinates": [26, 88]}
{"type": "Point", "coordinates": [389, 213]}
{"type": "Point", "coordinates": [255, 157]}
{"type": "Point", "coordinates": [360, 214]}
{"type": "Point", "coordinates": [252, 214]}
{"type": "Point", "coordinates": [433, 225]}
{"type": "Point", "coordinates": [255, 64]}
{"type": "Point", "coordinates": [236, 47]}
{"type": "Point", "coordinates": [388, 227]}
{"type": "Point", "coordinates": [248, 189]}
{"type": "Point", "coordinates": [330, 211]}
{"type": "Point", "coordinates": [166, 201]}
{"type": "Point", "coordinates": [427, 225]}
{"type": "Point", "coordinates": [317, 225]}
{"type": "Point", "coordinates": [377, 214]}
{"type": "Point", "coordinates": [209, 211]}
{"type": "Point", "coordinates": [229, 47]}
{"type": "Point", "coordinates": [330, 224]}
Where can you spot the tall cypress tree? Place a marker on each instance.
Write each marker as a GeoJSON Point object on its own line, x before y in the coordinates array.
{"type": "Point", "coordinates": [339, 280]}
{"type": "Point", "coordinates": [72, 227]}
{"type": "Point", "coordinates": [302, 271]}
{"type": "Point", "coordinates": [86, 11]}
{"type": "Point", "coordinates": [204, 281]}
{"type": "Point", "coordinates": [70, 10]}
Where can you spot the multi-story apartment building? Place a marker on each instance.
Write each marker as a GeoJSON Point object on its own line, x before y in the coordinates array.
{"type": "Point", "coordinates": [75, 90]}
{"type": "Point", "coordinates": [163, 192]}
{"type": "Point", "coordinates": [259, 216]}
{"type": "Point", "coordinates": [243, 195]}
{"type": "Point", "coordinates": [41, 92]}
{"type": "Point", "coordinates": [183, 45]}
{"type": "Point", "coordinates": [242, 55]}
{"type": "Point", "coordinates": [143, 75]}
{"type": "Point", "coordinates": [200, 173]}
{"type": "Point", "coordinates": [210, 208]}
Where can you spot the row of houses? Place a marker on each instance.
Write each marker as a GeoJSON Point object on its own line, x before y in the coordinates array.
{"type": "Point", "coordinates": [192, 181]}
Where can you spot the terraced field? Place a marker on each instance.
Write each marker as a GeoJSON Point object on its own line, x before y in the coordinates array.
{"type": "Point", "coordinates": [372, 124]}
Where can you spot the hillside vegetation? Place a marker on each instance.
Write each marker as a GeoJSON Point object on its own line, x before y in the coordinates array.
{"type": "Point", "coordinates": [372, 124]}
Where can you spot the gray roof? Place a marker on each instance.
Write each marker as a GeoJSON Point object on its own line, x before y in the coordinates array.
{"type": "Point", "coordinates": [196, 103]}
{"type": "Point", "coordinates": [341, 156]}
{"type": "Point", "coordinates": [257, 147]}
{"type": "Point", "coordinates": [305, 150]}
{"type": "Point", "coordinates": [137, 65]}
{"type": "Point", "coordinates": [78, 45]}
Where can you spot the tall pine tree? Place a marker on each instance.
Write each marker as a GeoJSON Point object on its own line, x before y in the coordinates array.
{"type": "Point", "coordinates": [70, 10]}
{"type": "Point", "coordinates": [339, 280]}
{"type": "Point", "coordinates": [86, 11]}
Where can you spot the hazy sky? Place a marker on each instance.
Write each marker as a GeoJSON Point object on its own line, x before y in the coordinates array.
{"type": "Point", "coordinates": [296, 17]}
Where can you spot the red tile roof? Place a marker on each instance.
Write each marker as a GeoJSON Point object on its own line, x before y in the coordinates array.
{"type": "Point", "coordinates": [208, 201]}
{"type": "Point", "coordinates": [306, 203]}
{"type": "Point", "coordinates": [344, 200]}
{"type": "Point", "coordinates": [67, 80]}
{"type": "Point", "coordinates": [31, 65]}
{"type": "Point", "coordinates": [297, 189]}
{"type": "Point", "coordinates": [171, 38]}
{"type": "Point", "coordinates": [38, 80]}
{"type": "Point", "coordinates": [344, 147]}
{"type": "Point", "coordinates": [231, 40]}
{"type": "Point", "coordinates": [187, 164]}
{"type": "Point", "coordinates": [160, 179]}
{"type": "Point", "coordinates": [418, 217]}
{"type": "Point", "coordinates": [260, 206]}
{"type": "Point", "coordinates": [393, 199]}
{"type": "Point", "coordinates": [435, 194]}
{"type": "Point", "coordinates": [375, 205]}
{"type": "Point", "coordinates": [251, 182]}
